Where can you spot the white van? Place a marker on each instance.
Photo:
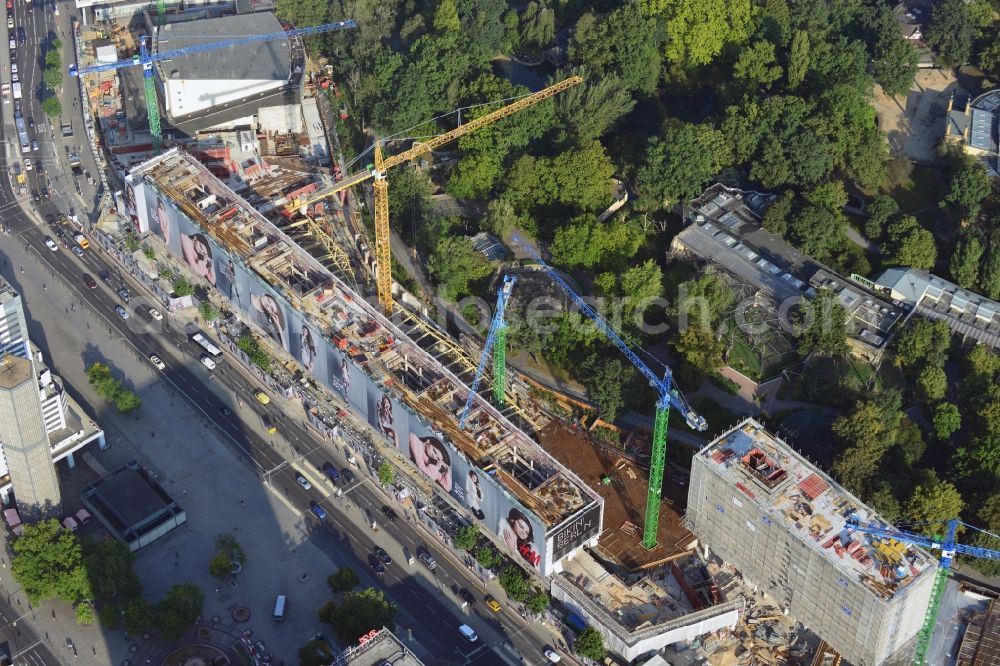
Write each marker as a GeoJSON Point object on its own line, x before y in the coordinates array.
{"type": "Point", "coordinates": [279, 608]}
{"type": "Point", "coordinates": [468, 633]}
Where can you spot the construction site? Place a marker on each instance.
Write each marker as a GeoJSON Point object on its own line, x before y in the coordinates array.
{"type": "Point", "coordinates": [760, 506]}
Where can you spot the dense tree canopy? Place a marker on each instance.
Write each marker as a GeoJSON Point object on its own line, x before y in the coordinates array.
{"type": "Point", "coordinates": [679, 165]}
{"type": "Point", "coordinates": [49, 563]}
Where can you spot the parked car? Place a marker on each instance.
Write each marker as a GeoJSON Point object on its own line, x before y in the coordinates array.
{"type": "Point", "coordinates": [389, 514]}
{"type": "Point", "coordinates": [125, 294]}
{"type": "Point", "coordinates": [302, 481]}
{"type": "Point", "coordinates": [492, 603]}
{"type": "Point", "coordinates": [261, 397]}
{"type": "Point", "coordinates": [77, 251]}
{"type": "Point", "coordinates": [551, 655]}
{"type": "Point", "coordinates": [348, 475]}
{"type": "Point", "coordinates": [467, 596]}
{"type": "Point", "coordinates": [155, 314]}
{"type": "Point", "coordinates": [105, 276]}
{"type": "Point", "coordinates": [425, 556]}
{"type": "Point", "coordinates": [51, 244]}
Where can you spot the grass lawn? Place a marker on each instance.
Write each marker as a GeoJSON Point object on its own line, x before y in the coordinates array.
{"type": "Point", "coordinates": [744, 359]}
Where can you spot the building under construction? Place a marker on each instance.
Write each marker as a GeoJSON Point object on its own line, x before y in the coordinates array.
{"type": "Point", "coordinates": [540, 509]}
{"type": "Point", "coordinates": [762, 507]}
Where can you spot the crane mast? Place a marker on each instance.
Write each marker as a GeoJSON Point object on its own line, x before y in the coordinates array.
{"type": "Point", "coordinates": [496, 336]}
{"type": "Point", "coordinates": [668, 396]}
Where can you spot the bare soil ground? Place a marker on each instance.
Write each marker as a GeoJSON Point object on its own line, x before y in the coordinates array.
{"type": "Point", "coordinates": [914, 124]}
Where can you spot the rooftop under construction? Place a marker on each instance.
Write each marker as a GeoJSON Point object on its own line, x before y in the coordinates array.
{"type": "Point", "coordinates": [789, 490]}
{"type": "Point", "coordinates": [552, 492]}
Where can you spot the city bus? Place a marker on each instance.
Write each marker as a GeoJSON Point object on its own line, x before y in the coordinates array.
{"type": "Point", "coordinates": [214, 352]}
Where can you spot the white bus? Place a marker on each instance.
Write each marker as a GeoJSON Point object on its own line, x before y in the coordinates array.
{"type": "Point", "coordinates": [210, 349]}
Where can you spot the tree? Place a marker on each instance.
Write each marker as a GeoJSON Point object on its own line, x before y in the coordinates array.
{"type": "Point", "coordinates": [964, 262]}
{"type": "Point", "coordinates": [894, 60]}
{"type": "Point", "coordinates": [538, 25]}
{"type": "Point", "coordinates": [606, 381]}
{"type": "Point", "coordinates": [909, 244]}
{"type": "Point", "coordinates": [48, 563]}
{"type": "Point", "coordinates": [109, 617]}
{"type": "Point", "coordinates": [775, 218]}
{"type": "Point", "coordinates": [386, 474]}
{"type": "Point", "coordinates": [932, 383]}
{"type": "Point", "coordinates": [636, 57]}
{"type": "Point", "coordinates": [698, 30]}
{"type": "Point", "coordinates": [538, 601]}
{"type": "Point", "coordinates": [910, 442]}
{"type": "Point", "coordinates": [829, 195]}
{"type": "Point", "coordinates": [967, 187]}
{"type": "Point", "coordinates": [220, 565]}
{"type": "Point", "coordinates": [53, 77]}
{"type": "Point", "coordinates": [817, 231]}
{"type": "Point", "coordinates": [514, 583]}
{"type": "Point", "coordinates": [409, 200]}
{"type": "Point", "coordinates": [488, 557]}
{"type": "Point", "coordinates": [454, 264]}
{"type": "Point", "coordinates": [344, 580]}
{"type": "Point", "coordinates": [947, 420]}
{"type": "Point", "coordinates": [111, 570]}
{"type": "Point", "coordinates": [758, 66]}
{"type": "Point", "coordinates": [951, 32]}
{"type": "Point", "coordinates": [51, 106]}
{"type": "Point", "coordinates": [578, 179]}
{"type": "Point", "coordinates": [989, 276]}
{"type": "Point", "coordinates": [867, 433]}
{"type": "Point", "coordinates": [706, 298]}
{"type": "Point", "coordinates": [588, 243]}
{"type": "Point", "coordinates": [208, 311]}
{"type": "Point", "coordinates": [466, 537]}
{"type": "Point", "coordinates": [935, 502]}
{"type": "Point", "coordinates": [700, 348]}
{"type": "Point", "coordinates": [820, 325]}
{"type": "Point", "coordinates": [590, 109]}
{"type": "Point", "coordinates": [500, 218]}
{"type": "Point", "coordinates": [923, 340]}
{"type": "Point", "coordinates": [182, 287]}
{"type": "Point", "coordinates": [127, 401]}
{"type": "Point", "coordinates": [99, 376]}
{"type": "Point", "coordinates": [138, 617]}
{"type": "Point", "coordinates": [798, 59]}
{"type": "Point", "coordinates": [678, 165]}
{"type": "Point", "coordinates": [880, 211]}
{"type": "Point", "coordinates": [362, 611]}
{"type": "Point", "coordinates": [446, 17]}
{"type": "Point", "coordinates": [179, 609]}
{"type": "Point", "coordinates": [590, 644]}
{"type": "Point", "coordinates": [316, 652]}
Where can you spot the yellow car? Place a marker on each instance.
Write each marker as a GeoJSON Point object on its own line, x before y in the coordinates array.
{"type": "Point", "coordinates": [492, 603]}
{"type": "Point", "coordinates": [261, 397]}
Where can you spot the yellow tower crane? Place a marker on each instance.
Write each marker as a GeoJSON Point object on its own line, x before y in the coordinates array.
{"type": "Point", "coordinates": [383, 267]}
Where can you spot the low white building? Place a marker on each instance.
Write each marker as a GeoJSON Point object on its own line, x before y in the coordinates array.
{"type": "Point", "coordinates": [199, 83]}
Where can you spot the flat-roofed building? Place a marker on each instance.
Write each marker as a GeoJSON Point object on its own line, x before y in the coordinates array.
{"type": "Point", "coordinates": [761, 506]}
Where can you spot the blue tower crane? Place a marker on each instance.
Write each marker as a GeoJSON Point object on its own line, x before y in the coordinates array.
{"type": "Point", "coordinates": [669, 397]}
{"type": "Point", "coordinates": [146, 60]}
{"type": "Point", "coordinates": [948, 547]}
{"type": "Point", "coordinates": [497, 328]}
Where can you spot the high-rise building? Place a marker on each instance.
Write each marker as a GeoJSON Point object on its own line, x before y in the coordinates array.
{"type": "Point", "coordinates": [25, 440]}
{"type": "Point", "coordinates": [762, 507]}
{"type": "Point", "coordinates": [13, 328]}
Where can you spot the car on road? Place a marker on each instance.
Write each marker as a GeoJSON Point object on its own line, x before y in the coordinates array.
{"type": "Point", "coordinates": [468, 633]}
{"type": "Point", "coordinates": [125, 294]}
{"type": "Point", "coordinates": [105, 276]}
{"type": "Point", "coordinates": [467, 596]}
{"type": "Point", "coordinates": [331, 472]}
{"type": "Point", "coordinates": [319, 511]}
{"type": "Point", "coordinates": [89, 281]}
{"type": "Point", "coordinates": [45, 193]}
{"type": "Point", "coordinates": [40, 167]}
{"type": "Point", "coordinates": [551, 655]}
{"type": "Point", "coordinates": [376, 564]}
{"type": "Point", "coordinates": [207, 362]}
{"type": "Point", "coordinates": [51, 244]}
{"type": "Point", "coordinates": [302, 481]}
{"type": "Point", "coordinates": [155, 360]}
{"type": "Point", "coordinates": [262, 397]}
{"type": "Point", "coordinates": [27, 164]}
{"type": "Point", "coordinates": [347, 474]}
{"type": "Point", "coordinates": [10, 22]}
{"type": "Point", "coordinates": [389, 514]}
{"type": "Point", "coordinates": [492, 603]}
{"type": "Point", "coordinates": [77, 251]}
{"type": "Point", "coordinates": [31, 122]}
{"type": "Point", "coordinates": [425, 556]}
{"type": "Point", "coordinates": [22, 36]}
{"type": "Point", "coordinates": [225, 411]}
{"type": "Point", "coordinates": [382, 555]}
{"type": "Point", "coordinates": [34, 147]}
{"type": "Point", "coordinates": [155, 314]}
{"type": "Point", "coordinates": [122, 312]}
